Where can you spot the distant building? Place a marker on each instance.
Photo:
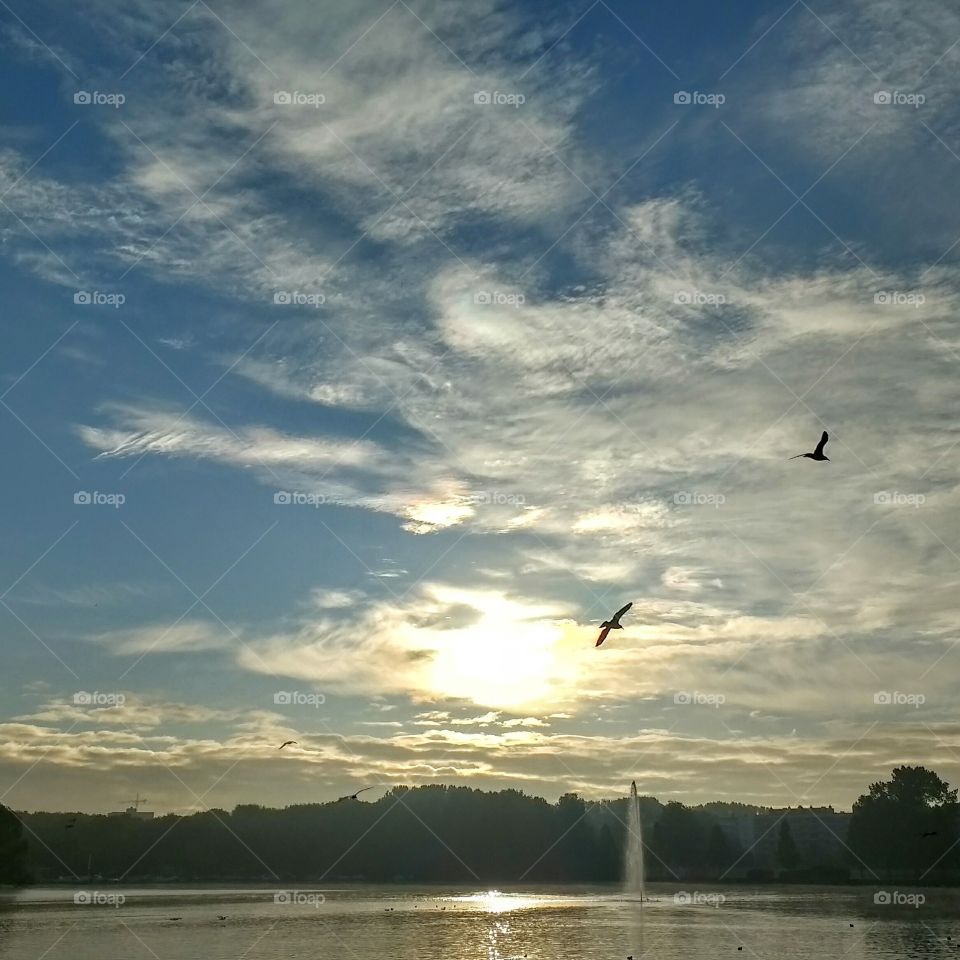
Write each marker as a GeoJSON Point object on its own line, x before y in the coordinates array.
{"type": "Point", "coordinates": [133, 812]}
{"type": "Point", "coordinates": [134, 809]}
{"type": "Point", "coordinates": [739, 829]}
{"type": "Point", "coordinates": [819, 834]}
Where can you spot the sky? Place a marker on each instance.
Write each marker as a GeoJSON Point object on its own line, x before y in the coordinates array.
{"type": "Point", "coordinates": [361, 358]}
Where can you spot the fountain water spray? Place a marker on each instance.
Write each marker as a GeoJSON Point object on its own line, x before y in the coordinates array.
{"type": "Point", "coordinates": [633, 854]}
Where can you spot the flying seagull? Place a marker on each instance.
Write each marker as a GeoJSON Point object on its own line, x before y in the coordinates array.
{"type": "Point", "coordinates": [818, 453]}
{"type": "Point", "coordinates": [353, 796]}
{"type": "Point", "coordinates": [286, 743]}
{"type": "Point", "coordinates": [613, 623]}
{"type": "Point", "coordinates": [71, 824]}
{"type": "Point", "coordinates": [928, 833]}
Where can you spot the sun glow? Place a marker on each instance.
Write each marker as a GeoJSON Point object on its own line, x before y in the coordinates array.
{"type": "Point", "coordinates": [507, 658]}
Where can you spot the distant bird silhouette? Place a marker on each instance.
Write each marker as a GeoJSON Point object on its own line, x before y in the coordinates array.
{"type": "Point", "coordinates": [71, 824]}
{"type": "Point", "coordinates": [286, 743]}
{"type": "Point", "coordinates": [929, 833]}
{"type": "Point", "coordinates": [221, 917]}
{"type": "Point", "coordinates": [353, 796]}
{"type": "Point", "coordinates": [613, 623]}
{"type": "Point", "coordinates": [818, 453]}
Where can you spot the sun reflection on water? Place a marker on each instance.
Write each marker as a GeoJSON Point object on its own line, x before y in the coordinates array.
{"type": "Point", "coordinates": [495, 901]}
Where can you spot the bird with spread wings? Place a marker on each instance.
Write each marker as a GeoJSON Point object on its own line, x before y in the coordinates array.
{"type": "Point", "coordinates": [818, 452]}
{"type": "Point", "coordinates": [613, 623]}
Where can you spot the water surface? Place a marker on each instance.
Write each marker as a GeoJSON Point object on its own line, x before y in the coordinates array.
{"type": "Point", "coordinates": [444, 923]}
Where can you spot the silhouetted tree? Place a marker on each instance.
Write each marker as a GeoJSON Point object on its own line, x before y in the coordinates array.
{"type": "Point", "coordinates": [452, 834]}
{"type": "Point", "coordinates": [889, 824]}
{"type": "Point", "coordinates": [720, 853]}
{"type": "Point", "coordinates": [575, 847]}
{"type": "Point", "coordinates": [607, 857]}
{"type": "Point", "coordinates": [787, 855]}
{"type": "Point", "coordinates": [433, 833]}
{"type": "Point", "coordinates": [678, 838]}
{"type": "Point", "coordinates": [13, 849]}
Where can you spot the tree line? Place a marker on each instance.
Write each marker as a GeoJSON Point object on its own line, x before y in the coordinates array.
{"type": "Point", "coordinates": [907, 826]}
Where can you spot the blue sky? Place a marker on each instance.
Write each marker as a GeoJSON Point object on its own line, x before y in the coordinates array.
{"type": "Point", "coordinates": [415, 338]}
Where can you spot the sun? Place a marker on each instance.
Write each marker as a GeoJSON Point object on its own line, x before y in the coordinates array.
{"type": "Point", "coordinates": [507, 658]}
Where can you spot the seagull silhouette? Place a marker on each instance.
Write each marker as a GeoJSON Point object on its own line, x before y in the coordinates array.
{"type": "Point", "coordinates": [818, 453]}
{"type": "Point", "coordinates": [286, 743]}
{"type": "Point", "coordinates": [71, 824]}
{"type": "Point", "coordinates": [928, 833]}
{"type": "Point", "coordinates": [353, 796]}
{"type": "Point", "coordinates": [613, 623]}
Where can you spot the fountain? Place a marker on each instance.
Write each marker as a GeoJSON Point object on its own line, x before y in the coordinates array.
{"type": "Point", "coordinates": [633, 853]}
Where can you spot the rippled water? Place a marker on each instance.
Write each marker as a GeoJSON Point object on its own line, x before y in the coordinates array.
{"type": "Point", "coordinates": [432, 923]}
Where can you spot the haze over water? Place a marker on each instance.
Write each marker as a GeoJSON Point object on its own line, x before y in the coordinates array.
{"type": "Point", "coordinates": [441, 923]}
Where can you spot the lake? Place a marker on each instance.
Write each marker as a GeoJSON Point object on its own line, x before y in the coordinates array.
{"type": "Point", "coordinates": [444, 923]}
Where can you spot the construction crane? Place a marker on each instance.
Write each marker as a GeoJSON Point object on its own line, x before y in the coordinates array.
{"type": "Point", "coordinates": [133, 806]}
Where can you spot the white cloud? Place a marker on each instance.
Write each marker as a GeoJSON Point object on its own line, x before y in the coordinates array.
{"type": "Point", "coordinates": [618, 431]}
{"type": "Point", "coordinates": [172, 434]}
{"type": "Point", "coordinates": [186, 636]}
{"type": "Point", "coordinates": [667, 765]}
